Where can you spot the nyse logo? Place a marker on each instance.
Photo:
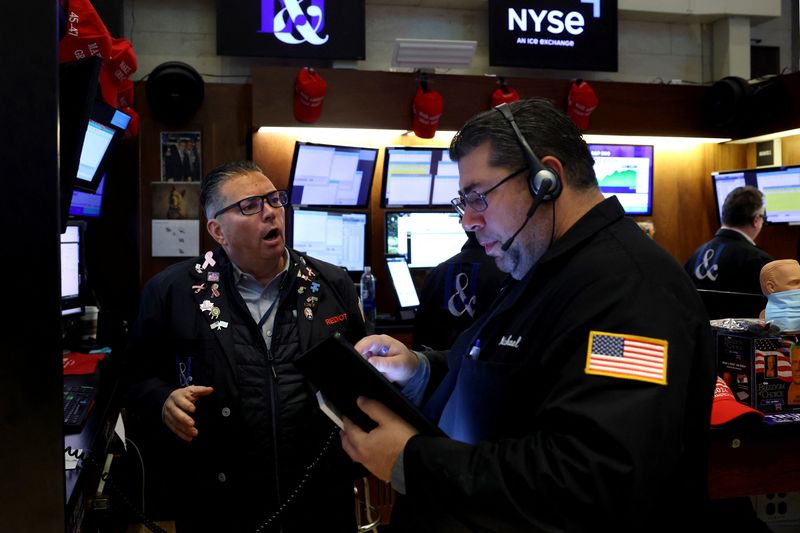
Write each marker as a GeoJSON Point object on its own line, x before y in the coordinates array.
{"type": "Point", "coordinates": [290, 24]}
{"type": "Point", "coordinates": [552, 21]}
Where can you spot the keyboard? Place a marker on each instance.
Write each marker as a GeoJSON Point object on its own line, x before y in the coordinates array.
{"type": "Point", "coordinates": [78, 401]}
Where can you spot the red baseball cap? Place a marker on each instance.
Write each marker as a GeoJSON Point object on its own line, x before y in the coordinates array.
{"type": "Point", "coordinates": [501, 96]}
{"type": "Point", "coordinates": [116, 71]}
{"type": "Point", "coordinates": [580, 103]}
{"type": "Point", "coordinates": [86, 34]}
{"type": "Point", "coordinates": [309, 94]}
{"type": "Point", "coordinates": [427, 110]}
{"type": "Point", "coordinates": [727, 408]}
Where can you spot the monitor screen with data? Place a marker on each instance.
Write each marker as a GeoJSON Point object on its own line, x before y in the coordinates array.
{"type": "Point", "coordinates": [418, 176]}
{"type": "Point", "coordinates": [625, 171]}
{"type": "Point", "coordinates": [338, 237]}
{"type": "Point", "coordinates": [402, 282]}
{"type": "Point", "coordinates": [781, 189]}
{"type": "Point", "coordinates": [425, 238]}
{"type": "Point", "coordinates": [327, 175]}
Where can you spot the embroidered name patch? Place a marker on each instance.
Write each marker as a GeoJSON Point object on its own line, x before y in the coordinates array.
{"type": "Point", "coordinates": [335, 319]}
{"type": "Point", "coordinates": [627, 356]}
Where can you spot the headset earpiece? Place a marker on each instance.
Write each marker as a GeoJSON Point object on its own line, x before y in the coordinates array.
{"type": "Point", "coordinates": [547, 181]}
{"type": "Point", "coordinates": [542, 179]}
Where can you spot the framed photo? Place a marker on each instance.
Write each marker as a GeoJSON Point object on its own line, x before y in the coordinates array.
{"type": "Point", "coordinates": [181, 156]}
{"type": "Point", "coordinates": [176, 201]}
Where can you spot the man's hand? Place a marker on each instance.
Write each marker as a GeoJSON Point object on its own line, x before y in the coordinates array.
{"type": "Point", "coordinates": [178, 407]}
{"type": "Point", "coordinates": [377, 450]}
{"type": "Point", "coordinates": [389, 356]}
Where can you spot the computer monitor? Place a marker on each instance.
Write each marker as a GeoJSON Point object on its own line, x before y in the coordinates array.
{"type": "Point", "coordinates": [781, 189]}
{"type": "Point", "coordinates": [725, 181]}
{"type": "Point", "coordinates": [625, 171]}
{"type": "Point", "coordinates": [425, 238]}
{"type": "Point", "coordinates": [338, 237]}
{"type": "Point", "coordinates": [86, 204]}
{"type": "Point", "coordinates": [71, 269]}
{"type": "Point", "coordinates": [403, 285]}
{"type": "Point", "coordinates": [106, 127]}
{"type": "Point", "coordinates": [418, 176]}
{"type": "Point", "coordinates": [327, 175]}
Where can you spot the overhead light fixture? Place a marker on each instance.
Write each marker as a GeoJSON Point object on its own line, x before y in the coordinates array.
{"type": "Point", "coordinates": [432, 53]}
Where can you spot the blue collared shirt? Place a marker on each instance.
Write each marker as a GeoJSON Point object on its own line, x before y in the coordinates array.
{"type": "Point", "coordinates": [261, 300]}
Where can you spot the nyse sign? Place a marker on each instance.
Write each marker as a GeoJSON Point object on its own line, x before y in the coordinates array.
{"type": "Point", "coordinates": [564, 34]}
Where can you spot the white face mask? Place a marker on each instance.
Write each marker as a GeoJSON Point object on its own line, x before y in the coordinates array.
{"type": "Point", "coordinates": [783, 310]}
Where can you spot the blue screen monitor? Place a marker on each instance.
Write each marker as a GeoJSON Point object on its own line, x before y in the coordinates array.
{"type": "Point", "coordinates": [425, 238]}
{"type": "Point", "coordinates": [625, 171]}
{"type": "Point", "coordinates": [328, 176]}
{"type": "Point", "coordinates": [86, 204]}
{"type": "Point", "coordinates": [418, 176]}
{"type": "Point", "coordinates": [338, 237]}
{"type": "Point", "coordinates": [106, 127]}
{"type": "Point", "coordinates": [725, 181]}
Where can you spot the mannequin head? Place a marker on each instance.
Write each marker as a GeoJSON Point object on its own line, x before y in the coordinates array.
{"type": "Point", "coordinates": [780, 275]}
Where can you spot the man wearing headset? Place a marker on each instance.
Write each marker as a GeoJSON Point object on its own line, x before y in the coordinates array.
{"type": "Point", "coordinates": [213, 375]}
{"type": "Point", "coordinates": [581, 400]}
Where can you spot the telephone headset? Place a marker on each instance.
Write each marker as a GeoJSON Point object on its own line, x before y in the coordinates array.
{"type": "Point", "coordinates": [543, 182]}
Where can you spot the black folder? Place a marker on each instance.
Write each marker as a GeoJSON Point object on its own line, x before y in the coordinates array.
{"type": "Point", "coordinates": [342, 375]}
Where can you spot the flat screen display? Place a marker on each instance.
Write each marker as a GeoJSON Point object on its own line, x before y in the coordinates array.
{"type": "Point", "coordinates": [781, 188]}
{"type": "Point", "coordinates": [325, 175]}
{"type": "Point", "coordinates": [725, 182]}
{"type": "Point", "coordinates": [314, 29]}
{"type": "Point", "coordinates": [71, 270]}
{"type": "Point", "coordinates": [402, 282]}
{"type": "Point", "coordinates": [558, 34]}
{"type": "Point", "coordinates": [418, 176]}
{"type": "Point", "coordinates": [105, 129]}
{"type": "Point", "coordinates": [625, 171]}
{"type": "Point", "coordinates": [425, 238]}
{"type": "Point", "coordinates": [86, 204]}
{"type": "Point", "coordinates": [779, 185]}
{"type": "Point", "coordinates": [337, 237]}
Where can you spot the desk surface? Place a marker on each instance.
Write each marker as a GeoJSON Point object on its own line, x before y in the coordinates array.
{"type": "Point", "coordinates": [94, 439]}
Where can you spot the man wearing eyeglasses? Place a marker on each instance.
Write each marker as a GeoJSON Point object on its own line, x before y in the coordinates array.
{"type": "Point", "coordinates": [213, 381]}
{"type": "Point", "coordinates": [581, 400]}
{"type": "Point", "coordinates": [731, 261]}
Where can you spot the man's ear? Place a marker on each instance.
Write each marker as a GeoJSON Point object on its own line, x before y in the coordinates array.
{"type": "Point", "coordinates": [215, 230]}
{"type": "Point", "coordinates": [770, 284]}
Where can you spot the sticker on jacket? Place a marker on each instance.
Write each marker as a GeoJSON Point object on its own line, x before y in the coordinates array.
{"type": "Point", "coordinates": [627, 356]}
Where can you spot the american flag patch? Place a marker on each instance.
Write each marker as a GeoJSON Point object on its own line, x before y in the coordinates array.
{"type": "Point", "coordinates": [627, 356]}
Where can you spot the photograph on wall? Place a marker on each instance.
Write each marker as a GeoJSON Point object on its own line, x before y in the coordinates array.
{"type": "Point", "coordinates": [176, 201]}
{"type": "Point", "coordinates": [181, 156]}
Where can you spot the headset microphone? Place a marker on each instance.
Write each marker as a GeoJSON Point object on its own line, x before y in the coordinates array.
{"type": "Point", "coordinates": [544, 189]}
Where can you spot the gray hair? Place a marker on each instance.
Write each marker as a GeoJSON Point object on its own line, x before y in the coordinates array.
{"type": "Point", "coordinates": [210, 197]}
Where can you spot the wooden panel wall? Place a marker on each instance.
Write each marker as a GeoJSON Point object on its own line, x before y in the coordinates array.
{"type": "Point", "coordinates": [224, 120]}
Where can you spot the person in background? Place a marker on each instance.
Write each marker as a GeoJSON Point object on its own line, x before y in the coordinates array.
{"type": "Point", "coordinates": [731, 261]}
{"type": "Point", "coordinates": [454, 294]}
{"type": "Point", "coordinates": [212, 374]}
{"type": "Point", "coordinates": [581, 400]}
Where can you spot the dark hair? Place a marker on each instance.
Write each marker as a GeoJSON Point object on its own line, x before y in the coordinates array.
{"type": "Point", "coordinates": [547, 130]}
{"type": "Point", "coordinates": [741, 205]}
{"type": "Point", "coordinates": [210, 199]}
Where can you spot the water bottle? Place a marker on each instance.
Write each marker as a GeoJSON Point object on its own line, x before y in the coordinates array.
{"type": "Point", "coordinates": [368, 299]}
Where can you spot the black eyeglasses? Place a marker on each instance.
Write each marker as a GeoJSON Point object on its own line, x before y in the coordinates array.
{"type": "Point", "coordinates": [253, 205]}
{"type": "Point", "coordinates": [477, 200]}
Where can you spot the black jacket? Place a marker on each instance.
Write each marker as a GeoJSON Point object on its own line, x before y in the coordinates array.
{"type": "Point", "coordinates": [728, 262]}
{"type": "Point", "coordinates": [454, 294]}
{"type": "Point", "coordinates": [543, 443]}
{"type": "Point", "coordinates": [261, 427]}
